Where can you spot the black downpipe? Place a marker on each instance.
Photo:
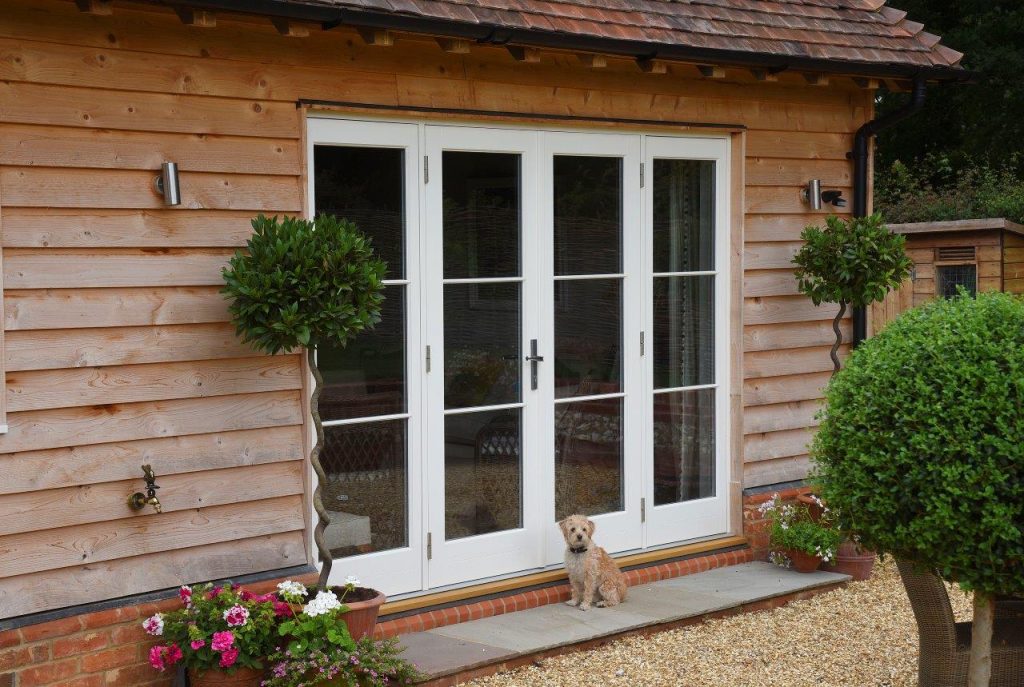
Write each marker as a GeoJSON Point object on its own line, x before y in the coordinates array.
{"type": "Point", "coordinates": [860, 157]}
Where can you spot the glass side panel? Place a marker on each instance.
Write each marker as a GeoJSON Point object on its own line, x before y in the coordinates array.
{"type": "Point", "coordinates": [684, 446]}
{"type": "Point", "coordinates": [684, 215]}
{"type": "Point", "coordinates": [482, 359]}
{"type": "Point", "coordinates": [366, 489]}
{"type": "Point", "coordinates": [483, 472]}
{"type": "Point", "coordinates": [366, 186]}
{"type": "Point", "coordinates": [588, 215]}
{"type": "Point", "coordinates": [367, 376]}
{"type": "Point", "coordinates": [588, 457]}
{"type": "Point", "coordinates": [481, 214]}
{"type": "Point", "coordinates": [588, 337]}
{"type": "Point", "coordinates": [684, 331]}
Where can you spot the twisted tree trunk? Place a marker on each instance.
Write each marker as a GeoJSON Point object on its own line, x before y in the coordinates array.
{"type": "Point", "coordinates": [323, 516]}
{"type": "Point", "coordinates": [839, 337]}
{"type": "Point", "coordinates": [980, 672]}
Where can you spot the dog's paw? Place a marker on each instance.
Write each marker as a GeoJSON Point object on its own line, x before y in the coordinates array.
{"type": "Point", "coordinates": [584, 607]}
{"type": "Point", "coordinates": [600, 604]}
{"type": "Point", "coordinates": [570, 602]}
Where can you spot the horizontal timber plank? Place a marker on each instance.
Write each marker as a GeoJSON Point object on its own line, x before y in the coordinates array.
{"type": "Point", "coordinates": [85, 583]}
{"type": "Point", "coordinates": [768, 256]}
{"type": "Point", "coordinates": [781, 416]}
{"type": "Point", "coordinates": [771, 282]}
{"type": "Point", "coordinates": [43, 146]}
{"type": "Point", "coordinates": [89, 386]}
{"type": "Point", "coordinates": [765, 171]}
{"type": "Point", "coordinates": [67, 268]}
{"type": "Point", "coordinates": [776, 471]}
{"type": "Point", "coordinates": [789, 144]}
{"type": "Point", "coordinates": [110, 188]}
{"type": "Point", "coordinates": [789, 361]}
{"type": "Point", "coordinates": [797, 387]}
{"type": "Point", "coordinates": [43, 429]}
{"type": "Point", "coordinates": [774, 445]}
{"type": "Point", "coordinates": [94, 543]}
{"type": "Point", "coordinates": [929, 241]}
{"type": "Point", "coordinates": [768, 228]}
{"type": "Point", "coordinates": [91, 228]}
{"type": "Point", "coordinates": [773, 337]}
{"type": "Point", "coordinates": [113, 307]}
{"type": "Point", "coordinates": [80, 505]}
{"type": "Point", "coordinates": [94, 463]}
{"type": "Point", "coordinates": [22, 103]}
{"type": "Point", "coordinates": [784, 200]}
{"type": "Point", "coordinates": [774, 309]}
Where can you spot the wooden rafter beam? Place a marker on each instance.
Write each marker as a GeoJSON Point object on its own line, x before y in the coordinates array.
{"type": "Point", "coordinates": [103, 7]}
{"type": "Point", "coordinates": [764, 75]}
{"type": "Point", "coordinates": [289, 28]}
{"type": "Point", "coordinates": [456, 46]}
{"type": "Point", "coordinates": [865, 82]}
{"type": "Point", "coordinates": [523, 54]}
{"type": "Point", "coordinates": [709, 71]}
{"type": "Point", "coordinates": [652, 66]}
{"type": "Point", "coordinates": [816, 79]}
{"type": "Point", "coordinates": [378, 37]}
{"type": "Point", "coordinates": [592, 61]}
{"type": "Point", "coordinates": [193, 17]}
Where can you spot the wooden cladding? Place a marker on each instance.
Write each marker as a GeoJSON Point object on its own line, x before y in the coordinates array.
{"type": "Point", "coordinates": [956, 254]}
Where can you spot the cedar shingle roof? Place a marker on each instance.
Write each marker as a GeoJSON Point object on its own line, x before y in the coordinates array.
{"type": "Point", "coordinates": [865, 36]}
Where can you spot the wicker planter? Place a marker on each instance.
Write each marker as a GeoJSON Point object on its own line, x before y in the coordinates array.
{"type": "Point", "coordinates": [803, 562]}
{"type": "Point", "coordinates": [243, 677]}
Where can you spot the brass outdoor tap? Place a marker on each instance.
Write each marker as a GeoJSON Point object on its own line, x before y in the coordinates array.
{"type": "Point", "coordinates": [140, 500]}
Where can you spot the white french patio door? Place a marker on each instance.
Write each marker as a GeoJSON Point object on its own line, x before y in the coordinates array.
{"type": "Point", "coordinates": [686, 303]}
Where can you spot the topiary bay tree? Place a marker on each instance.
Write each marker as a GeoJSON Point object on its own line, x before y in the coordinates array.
{"type": "Point", "coordinates": [854, 261]}
{"type": "Point", "coordinates": [300, 284]}
{"type": "Point", "coordinates": [921, 448]}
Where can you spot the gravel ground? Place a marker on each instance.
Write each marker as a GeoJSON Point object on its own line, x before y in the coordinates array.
{"type": "Point", "coordinates": [854, 637]}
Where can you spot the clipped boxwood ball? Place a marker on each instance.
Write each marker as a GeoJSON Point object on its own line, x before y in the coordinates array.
{"type": "Point", "coordinates": [921, 444]}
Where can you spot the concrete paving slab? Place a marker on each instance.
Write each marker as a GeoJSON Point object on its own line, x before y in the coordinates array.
{"type": "Point", "coordinates": [665, 605]}
{"type": "Point", "coordinates": [435, 654]}
{"type": "Point", "coordinates": [751, 582]}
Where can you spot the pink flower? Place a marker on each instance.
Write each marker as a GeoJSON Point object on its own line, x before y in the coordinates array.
{"type": "Point", "coordinates": [173, 654]}
{"type": "Point", "coordinates": [185, 594]}
{"type": "Point", "coordinates": [214, 593]}
{"type": "Point", "coordinates": [246, 595]}
{"type": "Point", "coordinates": [228, 658]}
{"type": "Point", "coordinates": [197, 644]}
{"type": "Point", "coordinates": [236, 616]}
{"type": "Point", "coordinates": [222, 641]}
{"type": "Point", "coordinates": [154, 625]}
{"type": "Point", "coordinates": [282, 610]}
{"type": "Point", "coordinates": [156, 658]}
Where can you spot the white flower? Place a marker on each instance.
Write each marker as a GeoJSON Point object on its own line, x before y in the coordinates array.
{"type": "Point", "coordinates": [154, 625]}
{"type": "Point", "coordinates": [290, 589]}
{"type": "Point", "coordinates": [351, 581]}
{"type": "Point", "coordinates": [325, 602]}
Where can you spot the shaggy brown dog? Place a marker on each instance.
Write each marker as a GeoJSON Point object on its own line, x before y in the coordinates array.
{"type": "Point", "coordinates": [593, 575]}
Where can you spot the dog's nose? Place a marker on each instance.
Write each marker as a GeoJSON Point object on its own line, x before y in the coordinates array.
{"type": "Point", "coordinates": [579, 537]}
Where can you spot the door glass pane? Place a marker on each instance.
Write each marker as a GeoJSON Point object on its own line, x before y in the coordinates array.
{"type": "Point", "coordinates": [684, 331]}
{"type": "Point", "coordinates": [588, 215]}
{"type": "Point", "coordinates": [684, 215]}
{"type": "Point", "coordinates": [588, 337]}
{"type": "Point", "coordinates": [481, 214]}
{"type": "Point", "coordinates": [365, 491]}
{"type": "Point", "coordinates": [684, 446]}
{"type": "Point", "coordinates": [483, 472]}
{"type": "Point", "coordinates": [588, 457]}
{"type": "Point", "coordinates": [367, 376]}
{"type": "Point", "coordinates": [366, 186]}
{"type": "Point", "coordinates": [481, 344]}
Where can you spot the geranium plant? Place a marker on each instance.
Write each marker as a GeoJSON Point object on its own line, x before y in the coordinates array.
{"type": "Point", "coordinates": [791, 528]}
{"type": "Point", "coordinates": [316, 625]}
{"type": "Point", "coordinates": [217, 628]}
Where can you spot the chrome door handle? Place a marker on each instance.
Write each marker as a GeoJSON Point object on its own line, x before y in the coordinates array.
{"type": "Point", "coordinates": [533, 359]}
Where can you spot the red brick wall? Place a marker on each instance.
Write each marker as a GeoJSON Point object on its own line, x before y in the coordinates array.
{"type": "Point", "coordinates": [755, 527]}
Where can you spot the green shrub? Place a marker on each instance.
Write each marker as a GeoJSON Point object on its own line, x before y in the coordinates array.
{"type": "Point", "coordinates": [921, 444]}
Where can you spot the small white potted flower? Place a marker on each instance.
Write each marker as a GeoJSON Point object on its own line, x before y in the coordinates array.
{"type": "Point", "coordinates": [357, 606]}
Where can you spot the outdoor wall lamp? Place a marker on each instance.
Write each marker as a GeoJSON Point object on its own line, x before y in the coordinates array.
{"type": "Point", "coordinates": [814, 196]}
{"type": "Point", "coordinates": [167, 183]}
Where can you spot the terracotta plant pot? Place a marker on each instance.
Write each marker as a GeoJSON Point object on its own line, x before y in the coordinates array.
{"type": "Point", "coordinates": [854, 561]}
{"type": "Point", "coordinates": [813, 509]}
{"type": "Point", "coordinates": [243, 677]}
{"type": "Point", "coordinates": [803, 562]}
{"type": "Point", "coordinates": [362, 615]}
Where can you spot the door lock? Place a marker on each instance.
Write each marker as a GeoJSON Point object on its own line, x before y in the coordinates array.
{"type": "Point", "coordinates": [533, 359]}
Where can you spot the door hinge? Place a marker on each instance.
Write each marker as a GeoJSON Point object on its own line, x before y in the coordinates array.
{"type": "Point", "coordinates": [426, 169]}
{"type": "Point", "coordinates": [641, 175]}
{"type": "Point", "coordinates": [428, 359]}
{"type": "Point", "coordinates": [643, 510]}
{"type": "Point", "coordinates": [430, 546]}
{"type": "Point", "coordinates": [642, 344]}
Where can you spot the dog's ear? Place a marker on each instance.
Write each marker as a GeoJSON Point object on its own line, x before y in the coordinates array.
{"type": "Point", "coordinates": [591, 527]}
{"type": "Point", "coordinates": [562, 525]}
